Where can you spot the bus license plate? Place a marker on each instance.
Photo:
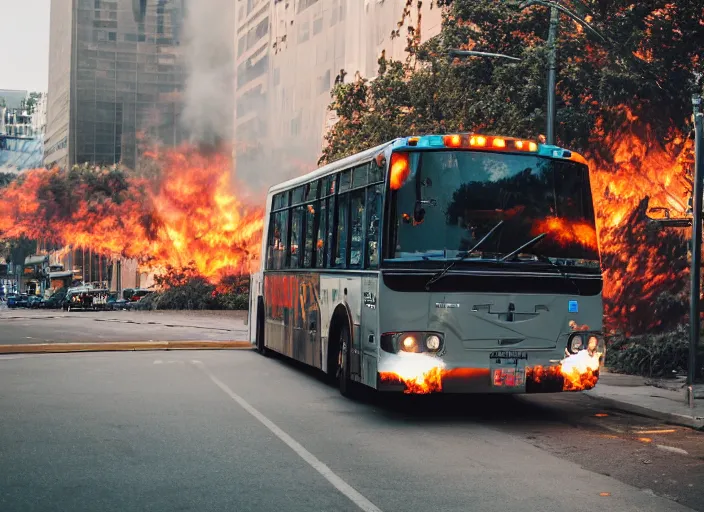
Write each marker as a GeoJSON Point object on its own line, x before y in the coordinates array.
{"type": "Point", "coordinates": [508, 377]}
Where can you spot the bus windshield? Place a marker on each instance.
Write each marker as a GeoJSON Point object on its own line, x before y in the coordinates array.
{"type": "Point", "coordinates": [451, 200]}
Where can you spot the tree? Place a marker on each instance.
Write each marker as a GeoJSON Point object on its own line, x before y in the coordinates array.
{"type": "Point", "coordinates": [647, 69]}
{"type": "Point", "coordinates": [30, 104]}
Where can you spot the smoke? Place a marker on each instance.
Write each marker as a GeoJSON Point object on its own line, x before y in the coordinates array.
{"type": "Point", "coordinates": [209, 61]}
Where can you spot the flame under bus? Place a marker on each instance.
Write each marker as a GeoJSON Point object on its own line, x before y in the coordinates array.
{"type": "Point", "coordinates": [456, 263]}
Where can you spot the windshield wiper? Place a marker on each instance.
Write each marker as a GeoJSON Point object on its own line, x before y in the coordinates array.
{"type": "Point", "coordinates": [527, 245]}
{"type": "Point", "coordinates": [439, 275]}
{"type": "Point", "coordinates": [542, 258]}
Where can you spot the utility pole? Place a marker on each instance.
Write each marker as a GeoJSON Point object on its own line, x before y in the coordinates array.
{"type": "Point", "coordinates": [552, 74]}
{"type": "Point", "coordinates": [698, 191]}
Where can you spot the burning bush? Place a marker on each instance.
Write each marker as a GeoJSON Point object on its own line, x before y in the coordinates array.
{"type": "Point", "coordinates": [182, 211]}
{"type": "Point", "coordinates": [185, 288]}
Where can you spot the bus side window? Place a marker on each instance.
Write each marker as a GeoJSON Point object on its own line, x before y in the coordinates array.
{"type": "Point", "coordinates": [296, 225]}
{"type": "Point", "coordinates": [280, 241]}
{"type": "Point", "coordinates": [329, 248]}
{"type": "Point", "coordinates": [342, 231]}
{"type": "Point", "coordinates": [311, 212]}
{"type": "Point", "coordinates": [357, 227]}
{"type": "Point", "coordinates": [374, 196]}
{"type": "Point", "coordinates": [320, 238]}
{"type": "Point", "coordinates": [273, 238]}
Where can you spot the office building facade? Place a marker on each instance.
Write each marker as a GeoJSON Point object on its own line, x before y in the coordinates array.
{"type": "Point", "coordinates": [289, 54]}
{"type": "Point", "coordinates": [114, 76]}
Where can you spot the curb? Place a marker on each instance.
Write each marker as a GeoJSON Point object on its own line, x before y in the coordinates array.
{"type": "Point", "coordinates": [128, 346]}
{"type": "Point", "coordinates": [667, 417]}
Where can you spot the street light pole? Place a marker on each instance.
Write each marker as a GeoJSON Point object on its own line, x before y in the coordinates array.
{"type": "Point", "coordinates": [552, 74]}
{"type": "Point", "coordinates": [698, 191]}
{"type": "Point", "coordinates": [555, 9]}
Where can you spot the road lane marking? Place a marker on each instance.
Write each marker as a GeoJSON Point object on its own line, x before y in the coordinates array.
{"type": "Point", "coordinates": [657, 431]}
{"type": "Point", "coordinates": [355, 496]}
{"type": "Point", "coordinates": [672, 449]}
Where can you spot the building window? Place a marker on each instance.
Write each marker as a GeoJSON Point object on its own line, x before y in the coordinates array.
{"type": "Point", "coordinates": [304, 4]}
{"type": "Point", "coordinates": [334, 12]}
{"type": "Point", "coordinates": [318, 24]}
{"type": "Point", "coordinates": [303, 32]}
{"type": "Point", "coordinates": [324, 82]}
{"type": "Point", "coordinates": [296, 125]}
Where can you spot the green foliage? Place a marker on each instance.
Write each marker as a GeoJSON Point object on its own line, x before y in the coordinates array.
{"type": "Point", "coordinates": [652, 355]}
{"type": "Point", "coordinates": [6, 178]}
{"type": "Point", "coordinates": [30, 104]}
{"type": "Point", "coordinates": [649, 64]}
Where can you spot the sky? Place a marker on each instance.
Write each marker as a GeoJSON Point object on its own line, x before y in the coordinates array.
{"type": "Point", "coordinates": [24, 38]}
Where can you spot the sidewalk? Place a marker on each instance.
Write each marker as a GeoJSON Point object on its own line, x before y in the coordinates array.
{"type": "Point", "coordinates": [638, 396]}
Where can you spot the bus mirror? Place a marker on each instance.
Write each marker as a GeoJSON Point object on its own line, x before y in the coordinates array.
{"type": "Point", "coordinates": [418, 213]}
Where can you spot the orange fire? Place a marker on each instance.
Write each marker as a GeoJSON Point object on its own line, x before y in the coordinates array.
{"type": "Point", "coordinates": [423, 374]}
{"type": "Point", "coordinates": [641, 261]}
{"type": "Point", "coordinates": [183, 214]}
{"type": "Point", "coordinates": [580, 371]}
{"type": "Point", "coordinates": [419, 373]}
{"type": "Point", "coordinates": [567, 232]}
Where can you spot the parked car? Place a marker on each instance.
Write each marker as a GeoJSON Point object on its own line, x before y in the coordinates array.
{"type": "Point", "coordinates": [56, 300]}
{"type": "Point", "coordinates": [22, 300]}
{"type": "Point", "coordinates": [34, 302]}
{"type": "Point", "coordinates": [115, 303]}
{"type": "Point", "coordinates": [12, 301]}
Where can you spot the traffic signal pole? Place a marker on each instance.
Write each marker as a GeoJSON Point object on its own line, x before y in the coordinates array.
{"type": "Point", "coordinates": [698, 192]}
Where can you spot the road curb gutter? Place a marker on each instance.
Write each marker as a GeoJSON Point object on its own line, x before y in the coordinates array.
{"type": "Point", "coordinates": [671, 418]}
{"type": "Point", "coordinates": [127, 346]}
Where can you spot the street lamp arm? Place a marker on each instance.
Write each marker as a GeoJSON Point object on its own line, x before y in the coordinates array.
{"type": "Point", "coordinates": [564, 10]}
{"type": "Point", "coordinates": [470, 53]}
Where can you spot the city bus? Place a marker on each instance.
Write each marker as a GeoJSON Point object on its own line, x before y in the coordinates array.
{"type": "Point", "coordinates": [455, 263]}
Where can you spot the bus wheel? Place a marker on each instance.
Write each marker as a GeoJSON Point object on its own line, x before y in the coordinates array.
{"type": "Point", "coordinates": [343, 362]}
{"type": "Point", "coordinates": [261, 347]}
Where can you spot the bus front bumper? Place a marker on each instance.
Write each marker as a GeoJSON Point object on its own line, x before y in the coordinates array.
{"type": "Point", "coordinates": [539, 379]}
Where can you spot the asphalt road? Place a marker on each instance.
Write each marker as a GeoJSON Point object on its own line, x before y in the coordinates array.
{"type": "Point", "coordinates": [234, 431]}
{"type": "Point", "coordinates": [56, 326]}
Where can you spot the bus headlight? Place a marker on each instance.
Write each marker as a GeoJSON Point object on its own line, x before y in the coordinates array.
{"type": "Point", "coordinates": [409, 343]}
{"type": "Point", "coordinates": [575, 343]}
{"type": "Point", "coordinates": [394, 342]}
{"type": "Point", "coordinates": [432, 342]}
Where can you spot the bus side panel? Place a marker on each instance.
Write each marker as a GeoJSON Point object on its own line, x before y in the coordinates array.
{"type": "Point", "coordinates": [347, 291]}
{"type": "Point", "coordinates": [292, 316]}
{"type": "Point", "coordinates": [255, 291]}
{"type": "Point", "coordinates": [370, 330]}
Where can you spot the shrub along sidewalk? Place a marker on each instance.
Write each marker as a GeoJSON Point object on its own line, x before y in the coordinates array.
{"type": "Point", "coordinates": [658, 355]}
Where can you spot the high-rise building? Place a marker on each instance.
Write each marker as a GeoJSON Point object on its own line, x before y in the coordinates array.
{"type": "Point", "coordinates": [253, 50]}
{"type": "Point", "coordinates": [114, 73]}
{"type": "Point", "coordinates": [289, 55]}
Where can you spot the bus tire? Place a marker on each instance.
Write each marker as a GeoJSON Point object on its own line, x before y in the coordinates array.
{"type": "Point", "coordinates": [343, 366]}
{"type": "Point", "coordinates": [261, 347]}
